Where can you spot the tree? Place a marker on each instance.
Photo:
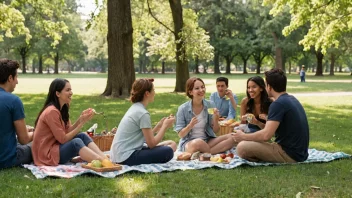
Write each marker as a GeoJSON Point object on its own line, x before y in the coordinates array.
{"type": "Point", "coordinates": [121, 74]}
{"type": "Point", "coordinates": [328, 20]}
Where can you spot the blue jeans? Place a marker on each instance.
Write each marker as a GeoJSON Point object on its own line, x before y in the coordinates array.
{"type": "Point", "coordinates": [303, 79]}
{"type": "Point", "coordinates": [158, 154]}
{"type": "Point", "coordinates": [71, 148]}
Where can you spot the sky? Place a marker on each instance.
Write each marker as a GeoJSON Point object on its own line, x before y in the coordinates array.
{"type": "Point", "coordinates": [87, 6]}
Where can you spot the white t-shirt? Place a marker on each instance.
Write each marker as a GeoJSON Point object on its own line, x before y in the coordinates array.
{"type": "Point", "coordinates": [198, 130]}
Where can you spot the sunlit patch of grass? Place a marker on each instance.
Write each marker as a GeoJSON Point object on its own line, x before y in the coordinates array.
{"type": "Point", "coordinates": [131, 186]}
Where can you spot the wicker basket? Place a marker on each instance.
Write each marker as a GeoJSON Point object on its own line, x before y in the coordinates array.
{"type": "Point", "coordinates": [103, 141]}
{"type": "Point", "coordinates": [224, 129]}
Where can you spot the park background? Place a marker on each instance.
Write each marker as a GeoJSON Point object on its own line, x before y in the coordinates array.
{"type": "Point", "coordinates": [238, 39]}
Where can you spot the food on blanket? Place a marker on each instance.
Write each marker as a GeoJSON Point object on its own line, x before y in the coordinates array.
{"type": "Point", "coordinates": [220, 160]}
{"type": "Point", "coordinates": [184, 156]}
{"type": "Point", "coordinates": [249, 117]}
{"type": "Point", "coordinates": [96, 164]}
{"type": "Point", "coordinates": [205, 157]}
{"type": "Point", "coordinates": [228, 159]}
{"type": "Point", "coordinates": [214, 158]}
{"type": "Point", "coordinates": [107, 163]}
{"type": "Point", "coordinates": [230, 155]}
{"type": "Point", "coordinates": [223, 156]}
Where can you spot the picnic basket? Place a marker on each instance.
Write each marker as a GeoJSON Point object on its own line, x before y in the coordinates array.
{"type": "Point", "coordinates": [224, 129]}
{"type": "Point", "coordinates": [103, 141]}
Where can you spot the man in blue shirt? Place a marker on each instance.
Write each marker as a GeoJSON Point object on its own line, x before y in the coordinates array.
{"type": "Point", "coordinates": [225, 101]}
{"type": "Point", "coordinates": [13, 152]}
{"type": "Point", "coordinates": [287, 120]}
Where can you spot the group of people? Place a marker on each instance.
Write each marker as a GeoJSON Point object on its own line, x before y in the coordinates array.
{"type": "Point", "coordinates": [56, 141]}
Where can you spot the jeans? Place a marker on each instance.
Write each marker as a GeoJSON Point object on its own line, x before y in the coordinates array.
{"type": "Point", "coordinates": [24, 155]}
{"type": "Point", "coordinates": [158, 154]}
{"type": "Point", "coordinates": [303, 79]}
{"type": "Point", "coordinates": [71, 148]}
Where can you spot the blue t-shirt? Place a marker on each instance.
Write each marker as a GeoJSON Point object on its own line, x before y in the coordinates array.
{"type": "Point", "coordinates": [11, 109]}
{"type": "Point", "coordinates": [293, 131]}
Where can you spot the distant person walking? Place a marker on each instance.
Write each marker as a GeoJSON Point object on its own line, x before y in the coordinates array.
{"type": "Point", "coordinates": [302, 74]}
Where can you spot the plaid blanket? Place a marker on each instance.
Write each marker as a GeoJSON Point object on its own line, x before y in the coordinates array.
{"type": "Point", "coordinates": [69, 171]}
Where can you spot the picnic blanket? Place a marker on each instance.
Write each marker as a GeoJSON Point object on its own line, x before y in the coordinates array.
{"type": "Point", "coordinates": [69, 171]}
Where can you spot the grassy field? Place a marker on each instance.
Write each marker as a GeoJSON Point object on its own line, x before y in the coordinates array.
{"type": "Point", "coordinates": [330, 129]}
{"type": "Point", "coordinates": [94, 84]}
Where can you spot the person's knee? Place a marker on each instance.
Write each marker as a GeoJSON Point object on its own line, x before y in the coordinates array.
{"type": "Point", "coordinates": [242, 149]}
{"type": "Point", "coordinates": [173, 145]}
{"type": "Point", "coordinates": [197, 144]}
{"type": "Point", "coordinates": [77, 144]}
{"type": "Point", "coordinates": [24, 154]}
{"type": "Point", "coordinates": [169, 153]}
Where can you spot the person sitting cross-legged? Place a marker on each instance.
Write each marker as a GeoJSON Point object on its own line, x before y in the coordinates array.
{"type": "Point", "coordinates": [286, 119]}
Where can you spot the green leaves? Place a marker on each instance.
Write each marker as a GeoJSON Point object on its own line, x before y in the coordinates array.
{"type": "Point", "coordinates": [12, 23]}
{"type": "Point", "coordinates": [328, 20]}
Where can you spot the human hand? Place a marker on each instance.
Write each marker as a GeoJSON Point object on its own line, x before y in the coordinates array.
{"type": "Point", "coordinates": [229, 93]}
{"type": "Point", "coordinates": [86, 115]}
{"type": "Point", "coordinates": [216, 114]}
{"type": "Point", "coordinates": [193, 122]}
{"type": "Point", "coordinates": [29, 128]}
{"type": "Point", "coordinates": [263, 116]}
{"type": "Point", "coordinates": [169, 121]}
{"type": "Point", "coordinates": [160, 123]}
{"type": "Point", "coordinates": [238, 136]}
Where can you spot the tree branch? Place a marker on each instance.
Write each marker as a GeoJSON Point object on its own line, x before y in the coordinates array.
{"type": "Point", "coordinates": [150, 12]}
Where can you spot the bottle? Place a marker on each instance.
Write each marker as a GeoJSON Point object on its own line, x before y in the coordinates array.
{"type": "Point", "coordinates": [91, 130]}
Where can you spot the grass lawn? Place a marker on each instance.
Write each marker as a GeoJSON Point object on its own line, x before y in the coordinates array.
{"type": "Point", "coordinates": [330, 129]}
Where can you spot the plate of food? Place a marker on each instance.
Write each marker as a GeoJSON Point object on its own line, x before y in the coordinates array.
{"type": "Point", "coordinates": [102, 166]}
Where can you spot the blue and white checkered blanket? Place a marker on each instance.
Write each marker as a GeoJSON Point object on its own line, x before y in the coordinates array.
{"type": "Point", "coordinates": [69, 171]}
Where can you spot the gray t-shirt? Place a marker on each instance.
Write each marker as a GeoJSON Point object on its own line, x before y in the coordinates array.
{"type": "Point", "coordinates": [129, 136]}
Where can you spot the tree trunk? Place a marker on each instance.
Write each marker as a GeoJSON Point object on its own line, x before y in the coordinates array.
{"type": "Point", "coordinates": [332, 64]}
{"type": "Point", "coordinates": [196, 64]}
{"type": "Point", "coordinates": [320, 57]}
{"type": "Point", "coordinates": [216, 62]}
{"type": "Point", "coordinates": [33, 65]}
{"type": "Point", "coordinates": [56, 60]}
{"type": "Point", "coordinates": [40, 66]}
{"type": "Point", "coordinates": [163, 67]}
{"type": "Point", "coordinates": [121, 74]}
{"type": "Point", "coordinates": [278, 52]}
{"type": "Point", "coordinates": [244, 59]}
{"type": "Point", "coordinates": [228, 64]}
{"type": "Point", "coordinates": [289, 66]}
{"type": "Point", "coordinates": [182, 73]}
{"type": "Point", "coordinates": [23, 52]}
{"type": "Point", "coordinates": [340, 68]}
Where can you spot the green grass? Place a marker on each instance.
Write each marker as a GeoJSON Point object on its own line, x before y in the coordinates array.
{"type": "Point", "coordinates": [330, 129]}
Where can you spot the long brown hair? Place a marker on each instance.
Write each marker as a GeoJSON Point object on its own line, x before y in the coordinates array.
{"type": "Point", "coordinates": [57, 85]}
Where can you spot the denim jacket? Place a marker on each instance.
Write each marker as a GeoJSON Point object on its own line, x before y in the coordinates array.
{"type": "Point", "coordinates": [184, 116]}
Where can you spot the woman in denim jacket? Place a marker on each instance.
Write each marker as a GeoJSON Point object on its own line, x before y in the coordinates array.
{"type": "Point", "coordinates": [196, 127]}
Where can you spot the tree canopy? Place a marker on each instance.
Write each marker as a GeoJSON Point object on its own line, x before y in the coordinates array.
{"type": "Point", "coordinates": [328, 20]}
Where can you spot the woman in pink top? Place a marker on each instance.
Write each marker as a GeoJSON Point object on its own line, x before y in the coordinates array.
{"type": "Point", "coordinates": [55, 140]}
